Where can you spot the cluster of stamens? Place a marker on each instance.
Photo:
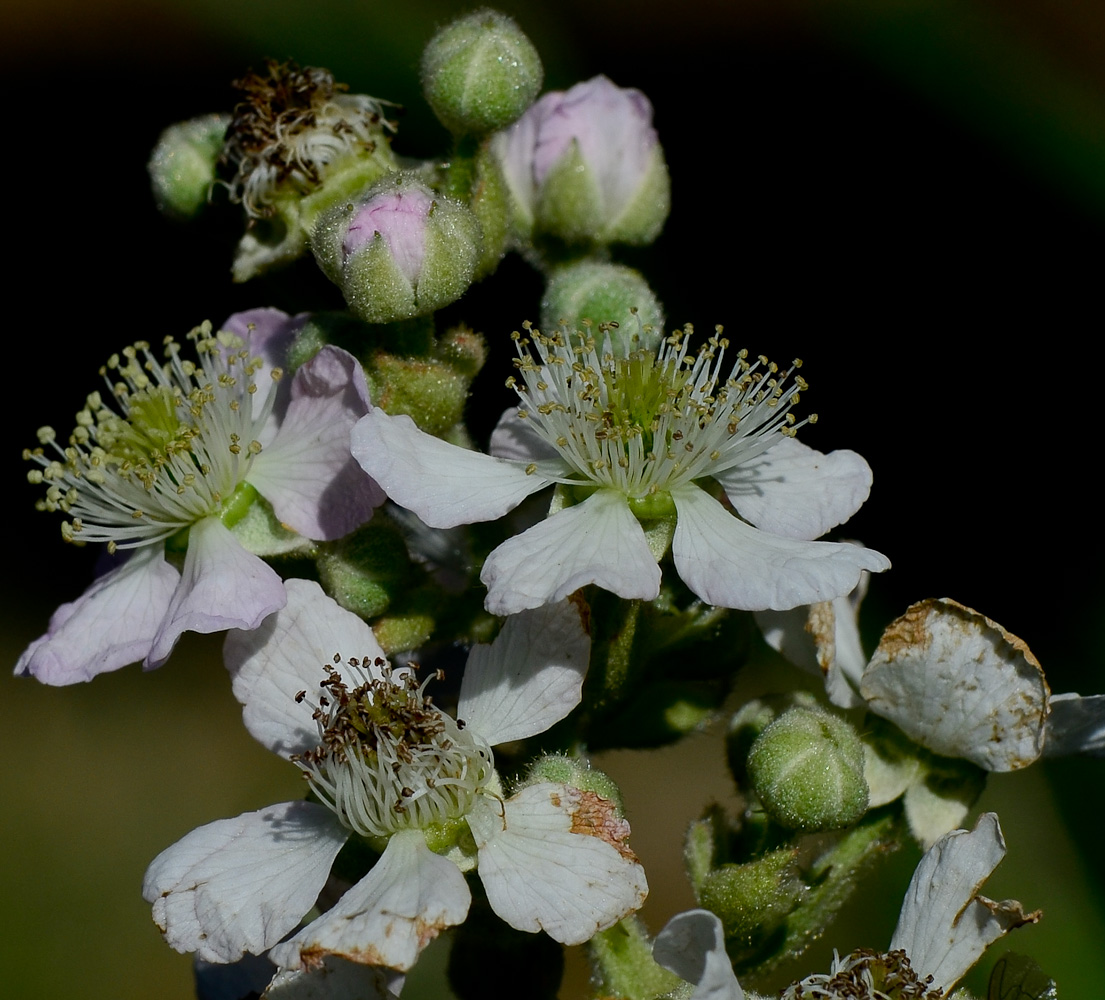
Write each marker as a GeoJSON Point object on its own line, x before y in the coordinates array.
{"type": "Point", "coordinates": [648, 421]}
{"type": "Point", "coordinates": [290, 126]}
{"type": "Point", "coordinates": [866, 975]}
{"type": "Point", "coordinates": [387, 759]}
{"type": "Point", "coordinates": [176, 443]}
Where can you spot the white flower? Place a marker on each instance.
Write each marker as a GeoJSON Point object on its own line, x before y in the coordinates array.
{"type": "Point", "coordinates": [943, 929]}
{"type": "Point", "coordinates": [637, 442]}
{"type": "Point", "coordinates": [171, 463]}
{"type": "Point", "coordinates": [392, 769]}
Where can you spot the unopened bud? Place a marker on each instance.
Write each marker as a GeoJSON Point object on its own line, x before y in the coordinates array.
{"type": "Point", "coordinates": [182, 165]}
{"type": "Point", "coordinates": [807, 770]}
{"type": "Point", "coordinates": [400, 251]}
{"type": "Point", "coordinates": [585, 166]}
{"type": "Point", "coordinates": [480, 73]}
{"type": "Point", "coordinates": [607, 295]}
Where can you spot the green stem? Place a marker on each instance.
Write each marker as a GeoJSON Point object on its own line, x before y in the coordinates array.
{"type": "Point", "coordinates": [461, 171]}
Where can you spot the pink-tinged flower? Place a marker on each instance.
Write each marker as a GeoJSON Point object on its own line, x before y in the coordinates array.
{"type": "Point", "coordinates": [388, 767]}
{"type": "Point", "coordinates": [586, 165]}
{"type": "Point", "coordinates": [170, 470]}
{"type": "Point", "coordinates": [641, 445]}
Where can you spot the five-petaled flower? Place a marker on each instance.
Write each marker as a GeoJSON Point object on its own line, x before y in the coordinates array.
{"type": "Point", "coordinates": [387, 766]}
{"type": "Point", "coordinates": [641, 443]}
{"type": "Point", "coordinates": [173, 463]}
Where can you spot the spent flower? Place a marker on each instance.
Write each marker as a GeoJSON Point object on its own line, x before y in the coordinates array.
{"type": "Point", "coordinates": [387, 767]}
{"type": "Point", "coordinates": [637, 441]}
{"type": "Point", "coordinates": [165, 466]}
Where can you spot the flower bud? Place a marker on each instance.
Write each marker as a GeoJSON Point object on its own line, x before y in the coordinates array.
{"type": "Point", "coordinates": [365, 570]}
{"type": "Point", "coordinates": [182, 165]}
{"type": "Point", "coordinates": [604, 293]}
{"type": "Point", "coordinates": [480, 73]}
{"type": "Point", "coordinates": [400, 251]}
{"type": "Point", "coordinates": [753, 899]}
{"type": "Point", "coordinates": [585, 166]}
{"type": "Point", "coordinates": [807, 770]}
{"type": "Point", "coordinates": [577, 774]}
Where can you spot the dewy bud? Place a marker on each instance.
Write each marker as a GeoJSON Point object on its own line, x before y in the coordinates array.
{"type": "Point", "coordinates": [182, 165]}
{"type": "Point", "coordinates": [807, 770]}
{"type": "Point", "coordinates": [585, 166]}
{"type": "Point", "coordinates": [480, 73]}
{"type": "Point", "coordinates": [400, 251]}
{"type": "Point", "coordinates": [604, 293]}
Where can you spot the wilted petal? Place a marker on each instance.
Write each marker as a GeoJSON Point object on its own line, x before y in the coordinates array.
{"type": "Point", "coordinates": [443, 484]}
{"type": "Point", "coordinates": [239, 885]}
{"type": "Point", "coordinates": [387, 918]}
{"type": "Point", "coordinates": [692, 945]}
{"type": "Point", "coordinates": [598, 541]}
{"type": "Point", "coordinates": [823, 639]}
{"type": "Point", "coordinates": [960, 685]}
{"type": "Point", "coordinates": [221, 587]}
{"type": "Point", "coordinates": [732, 565]}
{"type": "Point", "coordinates": [111, 624]}
{"type": "Point", "coordinates": [336, 979]}
{"type": "Point", "coordinates": [1075, 725]}
{"type": "Point", "coordinates": [795, 491]}
{"type": "Point", "coordinates": [530, 677]}
{"type": "Point", "coordinates": [554, 859]}
{"type": "Point", "coordinates": [285, 655]}
{"type": "Point", "coordinates": [945, 926]}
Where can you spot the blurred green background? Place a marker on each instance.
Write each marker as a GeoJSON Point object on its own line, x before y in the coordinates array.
{"type": "Point", "coordinates": [908, 195]}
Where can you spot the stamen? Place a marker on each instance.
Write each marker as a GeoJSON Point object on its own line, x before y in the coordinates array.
{"type": "Point", "coordinates": [617, 420]}
{"type": "Point", "coordinates": [161, 448]}
{"type": "Point", "coordinates": [387, 759]}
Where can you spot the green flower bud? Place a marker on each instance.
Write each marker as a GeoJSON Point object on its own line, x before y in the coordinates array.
{"type": "Point", "coordinates": [400, 251]}
{"type": "Point", "coordinates": [182, 165]}
{"type": "Point", "coordinates": [751, 719]}
{"type": "Point", "coordinates": [480, 73]}
{"type": "Point", "coordinates": [604, 293]}
{"type": "Point", "coordinates": [753, 899]}
{"type": "Point", "coordinates": [364, 570]}
{"type": "Point", "coordinates": [807, 770]}
{"type": "Point", "coordinates": [577, 774]}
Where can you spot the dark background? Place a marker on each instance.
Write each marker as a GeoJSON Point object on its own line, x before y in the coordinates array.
{"type": "Point", "coordinates": [908, 196]}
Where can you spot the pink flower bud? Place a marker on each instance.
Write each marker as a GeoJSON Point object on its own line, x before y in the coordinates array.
{"type": "Point", "coordinates": [399, 216]}
{"type": "Point", "coordinates": [586, 165]}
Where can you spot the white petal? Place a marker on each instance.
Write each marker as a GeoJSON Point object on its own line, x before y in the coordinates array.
{"type": "Point", "coordinates": [931, 811]}
{"type": "Point", "coordinates": [111, 624]}
{"type": "Point", "coordinates": [823, 639]}
{"type": "Point", "coordinates": [388, 917]}
{"type": "Point", "coordinates": [1075, 725]}
{"type": "Point", "coordinates": [732, 565]}
{"type": "Point", "coordinates": [945, 926]}
{"type": "Point", "coordinates": [598, 541]}
{"type": "Point", "coordinates": [239, 885]}
{"type": "Point", "coordinates": [960, 685]}
{"type": "Point", "coordinates": [795, 491]}
{"type": "Point", "coordinates": [336, 979]}
{"type": "Point", "coordinates": [307, 472]}
{"type": "Point", "coordinates": [530, 677]}
{"type": "Point", "coordinates": [443, 484]}
{"type": "Point", "coordinates": [541, 872]}
{"type": "Point", "coordinates": [221, 587]}
{"type": "Point", "coordinates": [271, 664]}
{"type": "Point", "coordinates": [518, 441]}
{"type": "Point", "coordinates": [692, 945]}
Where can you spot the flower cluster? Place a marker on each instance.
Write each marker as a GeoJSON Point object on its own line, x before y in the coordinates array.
{"type": "Point", "coordinates": [310, 485]}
